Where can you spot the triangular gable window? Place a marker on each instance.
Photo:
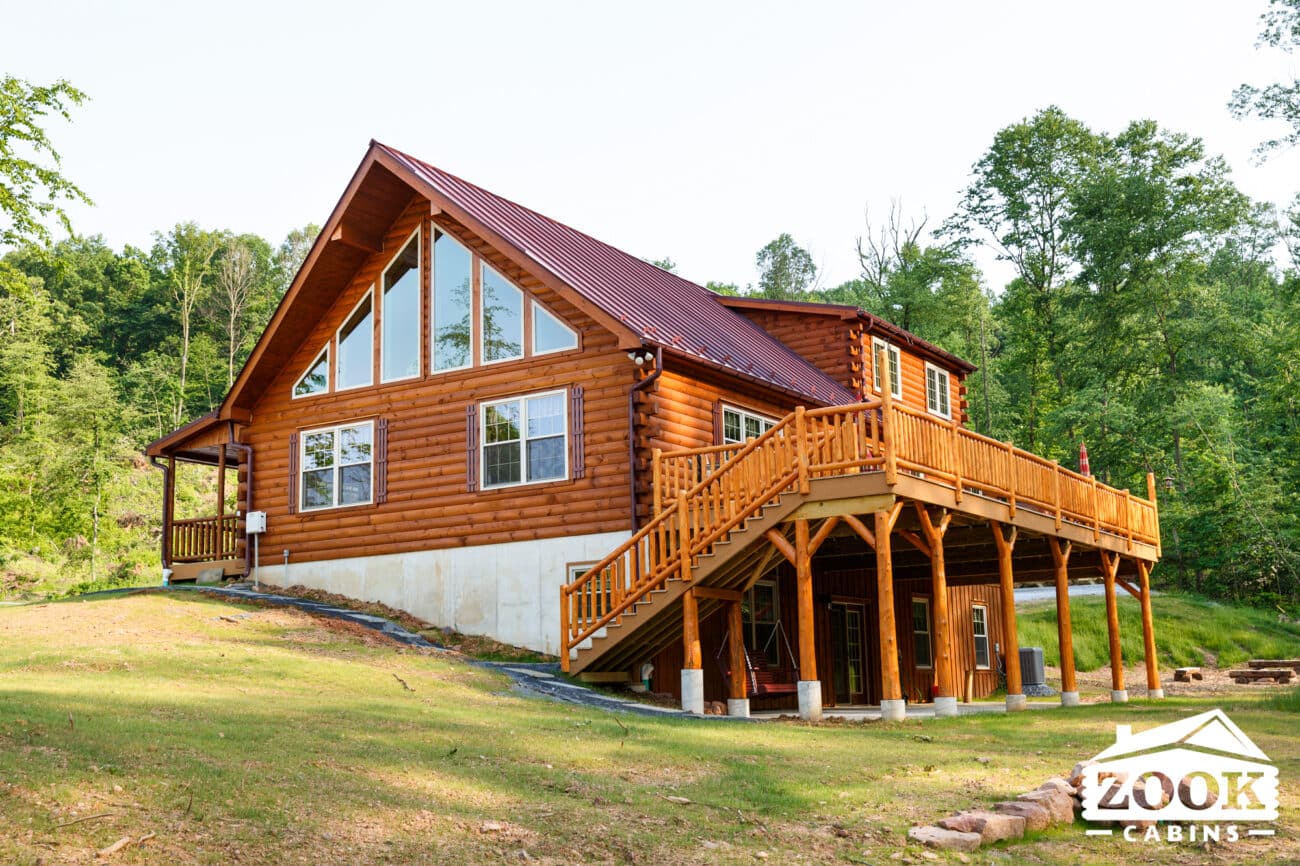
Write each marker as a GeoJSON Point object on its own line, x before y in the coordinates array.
{"type": "Point", "coordinates": [317, 378]}
{"type": "Point", "coordinates": [550, 334]}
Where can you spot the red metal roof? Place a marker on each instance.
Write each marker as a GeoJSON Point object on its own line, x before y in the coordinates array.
{"type": "Point", "coordinates": [664, 309]}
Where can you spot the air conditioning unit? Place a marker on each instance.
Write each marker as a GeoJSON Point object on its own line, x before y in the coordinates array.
{"type": "Point", "coordinates": [1032, 672]}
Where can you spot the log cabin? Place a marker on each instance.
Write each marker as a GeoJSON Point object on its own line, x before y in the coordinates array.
{"type": "Point", "coordinates": [469, 411]}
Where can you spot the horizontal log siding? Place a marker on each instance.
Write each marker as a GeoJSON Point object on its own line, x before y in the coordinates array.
{"type": "Point", "coordinates": [428, 504]}
{"type": "Point", "coordinates": [823, 341]}
{"type": "Point", "coordinates": [914, 380]}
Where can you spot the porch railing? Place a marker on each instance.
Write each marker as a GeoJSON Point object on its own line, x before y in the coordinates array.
{"type": "Point", "coordinates": [205, 539]}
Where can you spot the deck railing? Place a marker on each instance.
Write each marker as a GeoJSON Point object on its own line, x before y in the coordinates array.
{"type": "Point", "coordinates": [205, 539]}
{"type": "Point", "coordinates": [702, 494]}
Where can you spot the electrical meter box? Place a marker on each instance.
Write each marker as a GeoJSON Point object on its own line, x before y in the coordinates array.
{"type": "Point", "coordinates": [255, 522]}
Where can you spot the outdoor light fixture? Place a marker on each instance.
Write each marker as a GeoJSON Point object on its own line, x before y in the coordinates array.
{"type": "Point", "coordinates": [639, 356]}
{"type": "Point", "coordinates": [1169, 483]}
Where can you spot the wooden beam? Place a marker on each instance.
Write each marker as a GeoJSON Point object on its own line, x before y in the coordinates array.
{"type": "Point", "coordinates": [838, 507]}
{"type": "Point", "coordinates": [1129, 588]}
{"type": "Point", "coordinates": [1148, 629]}
{"type": "Point", "coordinates": [692, 658]}
{"type": "Point", "coordinates": [915, 540]}
{"type": "Point", "coordinates": [735, 629]}
{"type": "Point", "coordinates": [783, 546]}
{"type": "Point", "coordinates": [891, 688]}
{"type": "Point", "coordinates": [860, 529]}
{"type": "Point", "coordinates": [1006, 545]}
{"type": "Point", "coordinates": [804, 588]}
{"type": "Point", "coordinates": [1064, 634]}
{"type": "Point", "coordinates": [349, 236]}
{"type": "Point", "coordinates": [823, 532]}
{"type": "Point", "coordinates": [757, 574]}
{"type": "Point", "coordinates": [943, 673]}
{"type": "Point", "coordinates": [1110, 568]}
{"type": "Point", "coordinates": [718, 594]}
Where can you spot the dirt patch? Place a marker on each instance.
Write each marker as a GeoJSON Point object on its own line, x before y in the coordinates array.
{"type": "Point", "coordinates": [1094, 686]}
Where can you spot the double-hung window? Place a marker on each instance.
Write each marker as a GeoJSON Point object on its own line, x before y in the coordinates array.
{"type": "Point", "coordinates": [923, 649]}
{"type": "Point", "coordinates": [337, 466]}
{"type": "Point", "coordinates": [739, 425]}
{"type": "Point", "coordinates": [936, 391]}
{"type": "Point", "coordinates": [525, 440]}
{"type": "Point", "coordinates": [895, 366]}
{"type": "Point", "coordinates": [980, 627]}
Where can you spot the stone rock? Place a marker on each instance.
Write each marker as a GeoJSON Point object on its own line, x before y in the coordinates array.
{"type": "Point", "coordinates": [1058, 784]}
{"type": "Point", "coordinates": [944, 840]}
{"type": "Point", "coordinates": [1076, 775]}
{"type": "Point", "coordinates": [1058, 804]}
{"type": "Point", "coordinates": [992, 826]}
{"type": "Point", "coordinates": [1036, 817]}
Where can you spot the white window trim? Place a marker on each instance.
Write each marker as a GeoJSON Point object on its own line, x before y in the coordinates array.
{"type": "Point", "coordinates": [893, 353]}
{"type": "Point", "coordinates": [381, 295]}
{"type": "Point", "coordinates": [338, 438]}
{"type": "Point", "coordinates": [943, 377]}
{"type": "Point", "coordinates": [329, 371]}
{"type": "Point", "coordinates": [369, 383]}
{"type": "Point", "coordinates": [534, 305]}
{"type": "Point", "coordinates": [523, 310]}
{"type": "Point", "coordinates": [433, 302]}
{"type": "Point", "coordinates": [523, 440]}
{"type": "Point", "coordinates": [929, 631]}
{"type": "Point", "coordinates": [743, 413]}
{"type": "Point", "coordinates": [988, 644]}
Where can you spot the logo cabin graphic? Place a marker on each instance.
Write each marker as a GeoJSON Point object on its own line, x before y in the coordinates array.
{"type": "Point", "coordinates": [1201, 769]}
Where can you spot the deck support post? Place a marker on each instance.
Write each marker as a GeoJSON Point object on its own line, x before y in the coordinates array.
{"type": "Point", "coordinates": [1010, 641]}
{"type": "Point", "coordinates": [1064, 634]}
{"type": "Point", "coordinates": [692, 661]}
{"type": "Point", "coordinates": [1109, 571]}
{"type": "Point", "coordinates": [737, 698]}
{"type": "Point", "coordinates": [1149, 634]}
{"type": "Point", "coordinates": [221, 503]}
{"type": "Point", "coordinates": [810, 689]}
{"type": "Point", "coordinates": [945, 701]}
{"type": "Point", "coordinates": [169, 513]}
{"type": "Point", "coordinates": [892, 706]}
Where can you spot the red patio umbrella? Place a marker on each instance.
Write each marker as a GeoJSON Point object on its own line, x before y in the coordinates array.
{"type": "Point", "coordinates": [1083, 460]}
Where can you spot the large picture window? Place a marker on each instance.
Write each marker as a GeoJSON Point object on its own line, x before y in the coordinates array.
{"type": "Point", "coordinates": [400, 315]}
{"type": "Point", "coordinates": [895, 366]}
{"type": "Point", "coordinates": [337, 466]}
{"type": "Point", "coordinates": [936, 391]}
{"type": "Point", "coordinates": [317, 378]}
{"type": "Point", "coordinates": [503, 318]}
{"type": "Point", "coordinates": [356, 339]}
{"type": "Point", "coordinates": [453, 337]}
{"type": "Point", "coordinates": [923, 648]}
{"type": "Point", "coordinates": [525, 440]}
{"type": "Point", "coordinates": [739, 425]}
{"type": "Point", "coordinates": [980, 627]}
{"type": "Point", "coordinates": [549, 333]}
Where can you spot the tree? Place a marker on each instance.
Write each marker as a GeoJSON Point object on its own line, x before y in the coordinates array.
{"type": "Point", "coordinates": [185, 256]}
{"type": "Point", "coordinates": [30, 191]}
{"type": "Point", "coordinates": [1280, 100]}
{"type": "Point", "coordinates": [786, 270]}
{"type": "Point", "coordinates": [290, 255]}
{"type": "Point", "coordinates": [26, 360]}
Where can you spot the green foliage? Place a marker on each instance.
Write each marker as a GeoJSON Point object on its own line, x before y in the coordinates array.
{"type": "Point", "coordinates": [786, 270]}
{"type": "Point", "coordinates": [30, 190]}
{"type": "Point", "coordinates": [1280, 100]}
{"type": "Point", "coordinates": [1188, 628]}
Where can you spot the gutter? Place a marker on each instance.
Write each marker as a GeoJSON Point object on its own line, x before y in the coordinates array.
{"type": "Point", "coordinates": [631, 426]}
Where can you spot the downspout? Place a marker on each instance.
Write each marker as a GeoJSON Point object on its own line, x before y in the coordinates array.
{"type": "Point", "coordinates": [166, 529]}
{"type": "Point", "coordinates": [248, 483]}
{"type": "Point", "coordinates": [631, 426]}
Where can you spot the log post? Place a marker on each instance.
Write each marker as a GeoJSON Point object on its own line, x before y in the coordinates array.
{"type": "Point", "coordinates": [169, 516]}
{"type": "Point", "coordinates": [1155, 507]}
{"type": "Point", "coordinates": [565, 601]}
{"type": "Point", "coordinates": [692, 658]}
{"type": "Point", "coordinates": [1149, 634]}
{"type": "Point", "coordinates": [888, 440]}
{"type": "Point", "coordinates": [1010, 640]}
{"type": "Point", "coordinates": [810, 689]}
{"type": "Point", "coordinates": [221, 503]}
{"type": "Point", "coordinates": [802, 448]}
{"type": "Point", "coordinates": [684, 537]}
{"type": "Point", "coordinates": [892, 706]}
{"type": "Point", "coordinates": [1065, 636]}
{"type": "Point", "coordinates": [1109, 570]}
{"type": "Point", "coordinates": [738, 699]}
{"type": "Point", "coordinates": [945, 701]}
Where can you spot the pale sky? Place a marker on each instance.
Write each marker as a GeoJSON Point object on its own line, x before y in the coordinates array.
{"type": "Point", "coordinates": [697, 131]}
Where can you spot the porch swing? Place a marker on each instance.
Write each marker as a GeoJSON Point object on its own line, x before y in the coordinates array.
{"type": "Point", "coordinates": [763, 680]}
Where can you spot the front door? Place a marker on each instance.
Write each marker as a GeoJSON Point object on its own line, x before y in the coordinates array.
{"type": "Point", "coordinates": [849, 653]}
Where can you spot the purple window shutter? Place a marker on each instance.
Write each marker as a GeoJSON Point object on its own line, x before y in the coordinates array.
{"type": "Point", "coordinates": [717, 422]}
{"type": "Point", "coordinates": [293, 473]}
{"type": "Point", "coordinates": [381, 460]}
{"type": "Point", "coordinates": [471, 447]}
{"type": "Point", "coordinates": [577, 447]}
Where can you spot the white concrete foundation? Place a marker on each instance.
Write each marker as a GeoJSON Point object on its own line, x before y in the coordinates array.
{"type": "Point", "coordinates": [1119, 696]}
{"type": "Point", "coordinates": [1016, 702]}
{"type": "Point", "coordinates": [738, 707]}
{"type": "Point", "coordinates": [945, 707]}
{"type": "Point", "coordinates": [693, 690]}
{"type": "Point", "coordinates": [1069, 699]}
{"type": "Point", "coordinates": [810, 700]}
{"type": "Point", "coordinates": [1158, 694]}
{"type": "Point", "coordinates": [893, 711]}
{"type": "Point", "coordinates": [508, 592]}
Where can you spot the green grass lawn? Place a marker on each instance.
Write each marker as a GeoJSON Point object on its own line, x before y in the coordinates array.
{"type": "Point", "coordinates": [264, 736]}
{"type": "Point", "coordinates": [1184, 625]}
